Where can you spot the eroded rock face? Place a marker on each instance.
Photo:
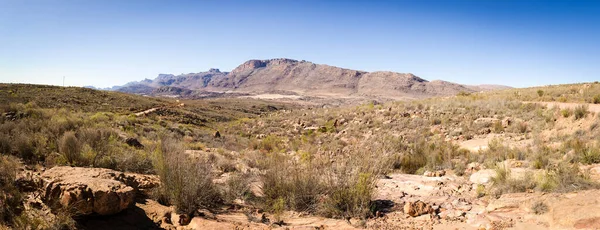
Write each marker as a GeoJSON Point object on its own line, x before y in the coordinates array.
{"type": "Point", "coordinates": [87, 190]}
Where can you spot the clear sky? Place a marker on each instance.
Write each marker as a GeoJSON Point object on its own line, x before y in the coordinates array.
{"type": "Point", "coordinates": [111, 42]}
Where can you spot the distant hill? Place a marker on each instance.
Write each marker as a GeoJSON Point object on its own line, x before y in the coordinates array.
{"type": "Point", "coordinates": [75, 98]}
{"type": "Point", "coordinates": [488, 87]}
{"type": "Point", "coordinates": [287, 76]}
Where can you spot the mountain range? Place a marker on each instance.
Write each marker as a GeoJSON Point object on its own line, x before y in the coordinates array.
{"type": "Point", "coordinates": [291, 77]}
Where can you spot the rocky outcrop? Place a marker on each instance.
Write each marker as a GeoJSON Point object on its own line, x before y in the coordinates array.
{"type": "Point", "coordinates": [249, 66]}
{"type": "Point", "coordinates": [87, 190]}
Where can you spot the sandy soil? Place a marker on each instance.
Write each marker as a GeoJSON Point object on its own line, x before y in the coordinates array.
{"type": "Point", "coordinates": [145, 112]}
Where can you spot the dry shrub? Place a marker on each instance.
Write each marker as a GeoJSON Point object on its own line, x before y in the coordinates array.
{"type": "Point", "coordinates": [596, 99]}
{"type": "Point", "coordinates": [298, 186]}
{"type": "Point", "coordinates": [342, 189]}
{"type": "Point", "coordinates": [566, 113]}
{"type": "Point", "coordinates": [539, 207]}
{"type": "Point", "coordinates": [186, 183]}
{"type": "Point", "coordinates": [503, 183]}
{"type": "Point", "coordinates": [590, 155]}
{"type": "Point", "coordinates": [132, 160]}
{"type": "Point", "coordinates": [96, 138]}
{"type": "Point", "coordinates": [270, 143]}
{"type": "Point", "coordinates": [498, 127]}
{"type": "Point", "coordinates": [580, 112]}
{"type": "Point", "coordinates": [23, 148]}
{"type": "Point", "coordinates": [497, 152]}
{"type": "Point", "coordinates": [10, 197]}
{"type": "Point", "coordinates": [522, 127]}
{"type": "Point", "coordinates": [4, 144]}
{"type": "Point", "coordinates": [351, 187]}
{"type": "Point", "coordinates": [70, 147]}
{"type": "Point", "coordinates": [564, 177]}
{"type": "Point", "coordinates": [585, 153]}
{"type": "Point", "coordinates": [237, 187]}
{"type": "Point", "coordinates": [411, 162]}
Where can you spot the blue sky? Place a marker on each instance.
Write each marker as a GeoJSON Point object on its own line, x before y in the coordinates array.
{"type": "Point", "coordinates": [106, 42]}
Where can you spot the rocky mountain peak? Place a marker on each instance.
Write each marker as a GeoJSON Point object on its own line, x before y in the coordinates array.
{"type": "Point", "coordinates": [163, 76]}
{"type": "Point", "coordinates": [250, 65]}
{"type": "Point", "coordinates": [255, 64]}
{"type": "Point", "coordinates": [302, 77]}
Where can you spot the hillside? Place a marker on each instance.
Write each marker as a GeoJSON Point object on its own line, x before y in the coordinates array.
{"type": "Point", "coordinates": [75, 98]}
{"type": "Point", "coordinates": [470, 161]}
{"type": "Point", "coordinates": [287, 76]}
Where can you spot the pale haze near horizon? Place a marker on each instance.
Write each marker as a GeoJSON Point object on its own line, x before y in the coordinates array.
{"type": "Point", "coordinates": [106, 43]}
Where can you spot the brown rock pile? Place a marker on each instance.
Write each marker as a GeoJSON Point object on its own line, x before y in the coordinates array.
{"type": "Point", "coordinates": [417, 208]}
{"type": "Point", "coordinates": [87, 190]}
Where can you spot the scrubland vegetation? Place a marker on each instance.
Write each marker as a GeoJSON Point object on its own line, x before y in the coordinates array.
{"type": "Point", "coordinates": [322, 161]}
{"type": "Point", "coordinates": [574, 93]}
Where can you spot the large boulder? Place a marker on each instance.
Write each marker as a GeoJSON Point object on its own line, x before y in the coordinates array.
{"type": "Point", "coordinates": [87, 190]}
{"type": "Point", "coordinates": [482, 176]}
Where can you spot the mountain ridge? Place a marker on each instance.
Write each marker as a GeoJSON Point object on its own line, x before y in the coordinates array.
{"type": "Point", "coordinates": [300, 77]}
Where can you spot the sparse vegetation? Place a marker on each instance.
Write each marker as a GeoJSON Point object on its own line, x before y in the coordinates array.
{"type": "Point", "coordinates": [566, 112]}
{"type": "Point", "coordinates": [580, 112]}
{"type": "Point", "coordinates": [346, 187]}
{"type": "Point", "coordinates": [69, 147]}
{"type": "Point", "coordinates": [320, 161]}
{"type": "Point", "coordinates": [596, 99]}
{"type": "Point", "coordinates": [539, 207]}
{"type": "Point", "coordinates": [10, 198]}
{"type": "Point", "coordinates": [562, 178]}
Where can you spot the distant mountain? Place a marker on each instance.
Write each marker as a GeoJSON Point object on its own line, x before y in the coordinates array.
{"type": "Point", "coordinates": [289, 76]}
